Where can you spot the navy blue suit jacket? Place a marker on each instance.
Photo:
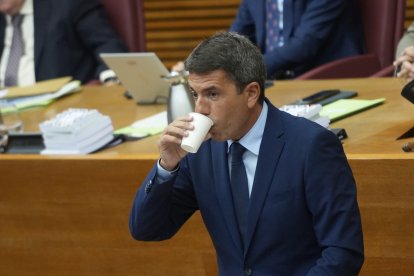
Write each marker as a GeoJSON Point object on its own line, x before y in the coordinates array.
{"type": "Point", "coordinates": [303, 215]}
{"type": "Point", "coordinates": [315, 32]}
{"type": "Point", "coordinates": [69, 35]}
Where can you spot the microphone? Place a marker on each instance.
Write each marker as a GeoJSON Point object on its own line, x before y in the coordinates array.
{"type": "Point", "coordinates": [408, 91]}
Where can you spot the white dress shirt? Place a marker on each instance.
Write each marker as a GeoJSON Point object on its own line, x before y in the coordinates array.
{"type": "Point", "coordinates": [251, 141]}
{"type": "Point", "coordinates": [26, 72]}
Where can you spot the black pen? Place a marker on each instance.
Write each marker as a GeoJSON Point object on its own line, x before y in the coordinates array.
{"type": "Point", "coordinates": [409, 146]}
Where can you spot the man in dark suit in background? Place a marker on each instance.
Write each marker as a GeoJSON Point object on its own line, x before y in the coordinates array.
{"type": "Point", "coordinates": [297, 35]}
{"type": "Point", "coordinates": [290, 208]}
{"type": "Point", "coordinates": [60, 38]}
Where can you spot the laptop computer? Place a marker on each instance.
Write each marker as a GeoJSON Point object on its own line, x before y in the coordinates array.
{"type": "Point", "coordinates": [141, 75]}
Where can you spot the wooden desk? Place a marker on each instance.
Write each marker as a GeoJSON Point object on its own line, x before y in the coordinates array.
{"type": "Point", "coordinates": [68, 215]}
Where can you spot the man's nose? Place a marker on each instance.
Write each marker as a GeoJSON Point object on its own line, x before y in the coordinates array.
{"type": "Point", "coordinates": [202, 106]}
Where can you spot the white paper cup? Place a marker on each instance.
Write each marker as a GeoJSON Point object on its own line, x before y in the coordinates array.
{"type": "Point", "coordinates": [202, 125]}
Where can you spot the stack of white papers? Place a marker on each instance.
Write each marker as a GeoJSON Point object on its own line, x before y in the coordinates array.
{"type": "Point", "coordinates": [76, 131]}
{"type": "Point", "coordinates": [310, 112]}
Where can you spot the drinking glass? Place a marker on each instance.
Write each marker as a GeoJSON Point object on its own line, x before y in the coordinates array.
{"type": "Point", "coordinates": [10, 120]}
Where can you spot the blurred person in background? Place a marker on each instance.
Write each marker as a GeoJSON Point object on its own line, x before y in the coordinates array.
{"type": "Point", "coordinates": [404, 56]}
{"type": "Point", "coordinates": [296, 36]}
{"type": "Point", "coordinates": [46, 39]}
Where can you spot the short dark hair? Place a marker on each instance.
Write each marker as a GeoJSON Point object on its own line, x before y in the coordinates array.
{"type": "Point", "coordinates": [234, 54]}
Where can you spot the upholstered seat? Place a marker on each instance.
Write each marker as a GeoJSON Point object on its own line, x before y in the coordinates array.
{"type": "Point", "coordinates": [383, 26]}
{"type": "Point", "coordinates": [127, 17]}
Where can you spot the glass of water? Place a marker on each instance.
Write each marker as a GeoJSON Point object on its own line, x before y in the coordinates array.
{"type": "Point", "coordinates": [10, 121]}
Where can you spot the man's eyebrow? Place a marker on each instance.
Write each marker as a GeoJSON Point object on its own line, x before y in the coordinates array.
{"type": "Point", "coordinates": [205, 89]}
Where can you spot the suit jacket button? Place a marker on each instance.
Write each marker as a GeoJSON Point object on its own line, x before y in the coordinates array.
{"type": "Point", "coordinates": [148, 187]}
{"type": "Point", "coordinates": [248, 271]}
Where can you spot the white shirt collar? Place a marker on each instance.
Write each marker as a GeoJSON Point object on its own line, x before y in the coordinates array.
{"type": "Point", "coordinates": [27, 7]}
{"type": "Point", "coordinates": [253, 138]}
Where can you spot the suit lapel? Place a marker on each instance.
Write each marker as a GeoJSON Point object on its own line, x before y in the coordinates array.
{"type": "Point", "coordinates": [41, 11]}
{"type": "Point", "coordinates": [261, 21]}
{"type": "Point", "coordinates": [270, 149]}
{"type": "Point", "coordinates": [222, 186]}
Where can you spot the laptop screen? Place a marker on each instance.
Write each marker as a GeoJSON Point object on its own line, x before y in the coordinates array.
{"type": "Point", "coordinates": [141, 74]}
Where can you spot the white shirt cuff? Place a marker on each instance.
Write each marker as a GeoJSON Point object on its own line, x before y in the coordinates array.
{"type": "Point", "coordinates": [104, 75]}
{"type": "Point", "coordinates": [164, 175]}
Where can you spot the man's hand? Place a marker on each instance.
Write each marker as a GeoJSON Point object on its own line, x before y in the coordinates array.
{"type": "Point", "coordinates": [169, 144]}
{"type": "Point", "coordinates": [179, 66]}
{"type": "Point", "coordinates": [404, 64]}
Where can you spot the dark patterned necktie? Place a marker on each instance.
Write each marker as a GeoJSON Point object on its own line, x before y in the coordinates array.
{"type": "Point", "coordinates": [272, 25]}
{"type": "Point", "coordinates": [239, 187]}
{"type": "Point", "coordinates": [16, 52]}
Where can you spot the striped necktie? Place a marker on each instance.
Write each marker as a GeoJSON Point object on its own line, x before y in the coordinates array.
{"type": "Point", "coordinates": [16, 52]}
{"type": "Point", "coordinates": [272, 25]}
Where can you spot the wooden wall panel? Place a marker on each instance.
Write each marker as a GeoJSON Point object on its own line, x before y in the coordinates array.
{"type": "Point", "coordinates": [409, 13]}
{"type": "Point", "coordinates": [175, 27]}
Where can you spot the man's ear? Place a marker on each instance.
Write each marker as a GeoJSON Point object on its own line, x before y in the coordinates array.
{"type": "Point", "coordinates": [252, 91]}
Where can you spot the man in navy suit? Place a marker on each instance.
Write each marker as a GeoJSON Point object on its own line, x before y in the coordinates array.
{"type": "Point", "coordinates": [308, 33]}
{"type": "Point", "coordinates": [302, 215]}
{"type": "Point", "coordinates": [61, 38]}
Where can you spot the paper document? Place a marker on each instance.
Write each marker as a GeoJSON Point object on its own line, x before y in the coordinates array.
{"type": "Point", "coordinates": [40, 87]}
{"type": "Point", "coordinates": [146, 127]}
{"type": "Point", "coordinates": [45, 99]}
{"type": "Point", "coordinates": [347, 107]}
